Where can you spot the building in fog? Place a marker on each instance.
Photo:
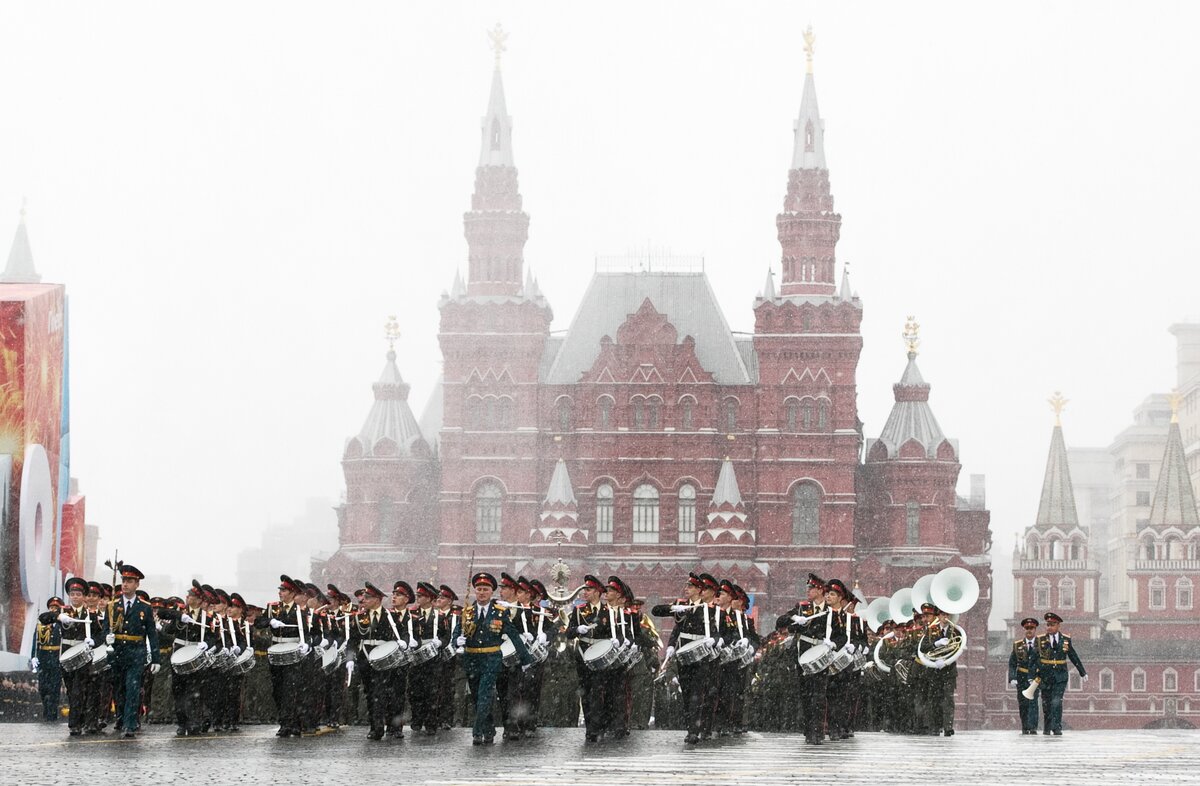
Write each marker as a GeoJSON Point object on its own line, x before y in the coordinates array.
{"type": "Point", "coordinates": [1123, 575]}
{"type": "Point", "coordinates": [650, 440]}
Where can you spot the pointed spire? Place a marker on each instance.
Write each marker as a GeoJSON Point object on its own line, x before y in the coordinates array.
{"type": "Point", "coordinates": [560, 491]}
{"type": "Point", "coordinates": [1057, 505]}
{"type": "Point", "coordinates": [727, 492]}
{"type": "Point", "coordinates": [768, 290]}
{"type": "Point", "coordinates": [458, 288]}
{"type": "Point", "coordinates": [527, 291]}
{"type": "Point", "coordinates": [496, 126]}
{"type": "Point", "coordinates": [1174, 497]}
{"type": "Point", "coordinates": [726, 519]}
{"type": "Point", "coordinates": [911, 417]}
{"type": "Point", "coordinates": [390, 418]}
{"type": "Point", "coordinates": [808, 152]}
{"type": "Point", "coordinates": [845, 293]}
{"type": "Point", "coordinates": [20, 269]}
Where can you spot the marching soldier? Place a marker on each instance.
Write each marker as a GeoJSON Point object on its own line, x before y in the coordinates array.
{"type": "Point", "coordinates": [406, 634]}
{"type": "Point", "coordinates": [694, 621]}
{"type": "Point", "coordinates": [285, 618]}
{"type": "Point", "coordinates": [80, 625]}
{"type": "Point", "coordinates": [372, 627]}
{"type": "Point", "coordinates": [544, 630]}
{"type": "Point", "coordinates": [744, 624]}
{"type": "Point", "coordinates": [940, 677]}
{"type": "Point", "coordinates": [587, 624]}
{"type": "Point", "coordinates": [423, 682]}
{"type": "Point", "coordinates": [338, 631]}
{"type": "Point", "coordinates": [484, 624]}
{"type": "Point", "coordinates": [839, 684]}
{"type": "Point", "coordinates": [132, 635]}
{"type": "Point", "coordinates": [1054, 650]}
{"type": "Point", "coordinates": [517, 702]}
{"type": "Point", "coordinates": [1022, 668]}
{"type": "Point", "coordinates": [43, 661]}
{"type": "Point", "coordinates": [446, 603]}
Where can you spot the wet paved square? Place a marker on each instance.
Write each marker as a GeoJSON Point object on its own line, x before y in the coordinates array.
{"type": "Point", "coordinates": [39, 754]}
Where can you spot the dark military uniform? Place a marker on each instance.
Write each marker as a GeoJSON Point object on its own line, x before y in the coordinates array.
{"type": "Point", "coordinates": [939, 684]}
{"type": "Point", "coordinates": [368, 630]}
{"type": "Point", "coordinates": [594, 619]}
{"type": "Point", "coordinates": [134, 635]}
{"type": "Point", "coordinates": [47, 644]}
{"type": "Point", "coordinates": [694, 679]}
{"type": "Point", "coordinates": [1053, 654]}
{"type": "Point", "coordinates": [187, 690]}
{"type": "Point", "coordinates": [1022, 668]}
{"type": "Point", "coordinates": [286, 684]}
{"type": "Point", "coordinates": [484, 627]}
{"type": "Point", "coordinates": [80, 701]}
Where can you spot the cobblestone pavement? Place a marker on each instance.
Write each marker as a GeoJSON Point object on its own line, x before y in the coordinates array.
{"type": "Point", "coordinates": [39, 754]}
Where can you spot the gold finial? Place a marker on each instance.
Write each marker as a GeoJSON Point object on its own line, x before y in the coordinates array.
{"type": "Point", "coordinates": [912, 335]}
{"type": "Point", "coordinates": [1058, 404]}
{"type": "Point", "coordinates": [809, 39]}
{"type": "Point", "coordinates": [498, 37]}
{"type": "Point", "coordinates": [391, 331]}
{"type": "Point", "coordinates": [1175, 400]}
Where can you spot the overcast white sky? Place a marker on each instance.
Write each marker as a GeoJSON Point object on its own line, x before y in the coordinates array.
{"type": "Point", "coordinates": [238, 194]}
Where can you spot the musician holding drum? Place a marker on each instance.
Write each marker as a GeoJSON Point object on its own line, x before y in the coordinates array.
{"type": "Point", "coordinates": [433, 630]}
{"type": "Point", "coordinates": [373, 639]}
{"type": "Point", "coordinates": [587, 624]}
{"type": "Point", "coordinates": [288, 648]}
{"type": "Point", "coordinates": [693, 646]}
{"type": "Point", "coordinates": [446, 602]}
{"type": "Point", "coordinates": [79, 627]}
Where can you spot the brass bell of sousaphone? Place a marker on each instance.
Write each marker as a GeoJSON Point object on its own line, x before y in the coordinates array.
{"type": "Point", "coordinates": [900, 606]}
{"type": "Point", "coordinates": [920, 590]}
{"type": "Point", "coordinates": [954, 590]}
{"type": "Point", "coordinates": [878, 612]}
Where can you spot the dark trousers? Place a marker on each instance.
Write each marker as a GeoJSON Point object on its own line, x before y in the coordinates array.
{"type": "Point", "coordinates": [81, 711]}
{"type": "Point", "coordinates": [189, 709]}
{"type": "Point", "coordinates": [129, 667]}
{"type": "Point", "coordinates": [482, 670]}
{"type": "Point", "coordinates": [814, 697]}
{"type": "Point", "coordinates": [50, 679]}
{"type": "Point", "coordinates": [1027, 708]}
{"type": "Point", "coordinates": [285, 686]}
{"type": "Point", "coordinates": [728, 713]}
{"type": "Point", "coordinates": [591, 697]}
{"type": "Point", "coordinates": [838, 702]}
{"type": "Point", "coordinates": [1052, 699]}
{"type": "Point", "coordinates": [536, 676]}
{"type": "Point", "coordinates": [335, 696]}
{"type": "Point", "coordinates": [940, 686]}
{"type": "Point", "coordinates": [422, 691]}
{"type": "Point", "coordinates": [377, 685]}
{"type": "Point", "coordinates": [445, 691]}
{"type": "Point", "coordinates": [693, 685]}
{"type": "Point", "coordinates": [615, 699]}
{"type": "Point", "coordinates": [397, 699]}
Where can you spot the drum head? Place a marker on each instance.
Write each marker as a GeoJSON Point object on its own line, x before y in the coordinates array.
{"type": "Point", "coordinates": [598, 650]}
{"type": "Point", "coordinates": [383, 650]}
{"type": "Point", "coordinates": [185, 653]}
{"type": "Point", "coordinates": [814, 653]}
{"type": "Point", "coordinates": [508, 648]}
{"type": "Point", "coordinates": [691, 645]}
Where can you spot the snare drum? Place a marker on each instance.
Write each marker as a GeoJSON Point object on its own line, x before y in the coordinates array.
{"type": "Point", "coordinates": [508, 653]}
{"type": "Point", "coordinates": [539, 651]}
{"type": "Point", "coordinates": [285, 653]}
{"type": "Point", "coordinates": [386, 656]}
{"type": "Point", "coordinates": [601, 656]}
{"type": "Point", "coordinates": [243, 662]}
{"type": "Point", "coordinates": [100, 662]}
{"type": "Point", "coordinates": [330, 659]}
{"type": "Point", "coordinates": [743, 652]}
{"type": "Point", "coordinates": [695, 651]}
{"type": "Point", "coordinates": [76, 657]}
{"type": "Point", "coordinates": [634, 658]}
{"type": "Point", "coordinates": [815, 659]}
{"type": "Point", "coordinates": [189, 659]}
{"type": "Point", "coordinates": [841, 660]}
{"type": "Point", "coordinates": [427, 651]}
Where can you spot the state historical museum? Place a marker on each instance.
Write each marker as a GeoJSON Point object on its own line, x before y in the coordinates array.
{"type": "Point", "coordinates": [649, 440]}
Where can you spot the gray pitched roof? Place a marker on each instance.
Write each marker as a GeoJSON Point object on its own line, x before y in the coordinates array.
{"type": "Point", "coordinates": [911, 417]}
{"type": "Point", "coordinates": [1057, 506]}
{"type": "Point", "coordinates": [433, 416]}
{"type": "Point", "coordinates": [1174, 498]}
{"type": "Point", "coordinates": [686, 299]}
{"type": "Point", "coordinates": [390, 417]}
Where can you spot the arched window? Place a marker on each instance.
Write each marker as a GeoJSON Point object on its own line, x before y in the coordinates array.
{"type": "Point", "coordinates": [1158, 593]}
{"type": "Point", "coordinates": [912, 523]}
{"type": "Point", "coordinates": [604, 514]}
{"type": "Point", "coordinates": [504, 414]}
{"type": "Point", "coordinates": [1056, 549]}
{"type": "Point", "coordinates": [687, 514]}
{"type": "Point", "coordinates": [1137, 682]}
{"type": "Point", "coordinates": [645, 514]}
{"type": "Point", "coordinates": [1170, 680]}
{"type": "Point", "coordinates": [488, 504]}
{"type": "Point", "coordinates": [1074, 550]}
{"type": "Point", "coordinates": [564, 414]}
{"type": "Point", "coordinates": [1183, 593]}
{"type": "Point", "coordinates": [1066, 593]}
{"type": "Point", "coordinates": [653, 407]}
{"type": "Point", "coordinates": [729, 414]}
{"type": "Point", "coordinates": [686, 406]}
{"type": "Point", "coordinates": [474, 413]}
{"type": "Point", "coordinates": [604, 406]}
{"type": "Point", "coordinates": [1106, 680]}
{"type": "Point", "coordinates": [822, 414]}
{"type": "Point", "coordinates": [806, 514]}
{"type": "Point", "coordinates": [806, 414]}
{"type": "Point", "coordinates": [490, 414]}
{"type": "Point", "coordinates": [1041, 593]}
{"type": "Point", "coordinates": [1175, 549]}
{"type": "Point", "coordinates": [791, 415]}
{"type": "Point", "coordinates": [637, 413]}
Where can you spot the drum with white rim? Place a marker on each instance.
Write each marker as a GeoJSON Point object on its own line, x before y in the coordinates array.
{"type": "Point", "coordinates": [243, 662]}
{"type": "Point", "coordinates": [695, 651]}
{"type": "Point", "coordinates": [331, 658]}
{"type": "Point", "coordinates": [743, 652]}
{"type": "Point", "coordinates": [189, 659]}
{"type": "Point", "coordinates": [386, 656]}
{"type": "Point", "coordinates": [842, 659]}
{"type": "Point", "coordinates": [815, 659]}
{"type": "Point", "coordinates": [284, 653]}
{"type": "Point", "coordinates": [425, 652]}
{"type": "Point", "coordinates": [539, 651]}
{"type": "Point", "coordinates": [78, 656]}
{"type": "Point", "coordinates": [601, 656]}
{"type": "Point", "coordinates": [100, 662]}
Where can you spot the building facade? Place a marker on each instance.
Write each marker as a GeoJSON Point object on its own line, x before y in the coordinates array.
{"type": "Point", "coordinates": [648, 439]}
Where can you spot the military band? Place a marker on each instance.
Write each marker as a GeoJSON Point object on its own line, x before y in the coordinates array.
{"type": "Point", "coordinates": [324, 648]}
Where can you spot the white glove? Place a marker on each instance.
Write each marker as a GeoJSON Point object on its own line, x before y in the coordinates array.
{"type": "Point", "coordinates": [680, 607]}
{"type": "Point", "coordinates": [720, 643]}
{"type": "Point", "coordinates": [402, 644]}
{"type": "Point", "coordinates": [202, 646]}
{"type": "Point", "coordinates": [110, 639]}
{"type": "Point", "coordinates": [440, 643]}
{"type": "Point", "coordinates": [527, 637]}
{"type": "Point", "coordinates": [275, 624]}
{"type": "Point", "coordinates": [304, 648]}
{"type": "Point", "coordinates": [323, 644]}
{"type": "Point", "coordinates": [157, 626]}
{"type": "Point", "coordinates": [541, 637]}
{"type": "Point", "coordinates": [186, 619]}
{"type": "Point", "coordinates": [828, 643]}
{"type": "Point", "coordinates": [349, 667]}
{"type": "Point", "coordinates": [743, 641]}
{"type": "Point", "coordinates": [235, 650]}
{"type": "Point", "coordinates": [461, 641]}
{"type": "Point", "coordinates": [155, 668]}
{"type": "Point", "coordinates": [583, 629]}
{"type": "Point", "coordinates": [1083, 678]}
{"type": "Point", "coordinates": [628, 644]}
{"type": "Point", "coordinates": [1012, 683]}
{"type": "Point", "coordinates": [526, 667]}
{"type": "Point", "coordinates": [849, 648]}
{"type": "Point", "coordinates": [460, 651]}
{"type": "Point", "coordinates": [412, 643]}
{"type": "Point", "coordinates": [940, 663]}
{"type": "Point", "coordinates": [711, 641]}
{"type": "Point", "coordinates": [89, 642]}
{"type": "Point", "coordinates": [942, 642]}
{"type": "Point", "coordinates": [33, 664]}
{"type": "Point", "coordinates": [66, 619]}
{"type": "Point", "coordinates": [670, 652]}
{"type": "Point", "coordinates": [799, 620]}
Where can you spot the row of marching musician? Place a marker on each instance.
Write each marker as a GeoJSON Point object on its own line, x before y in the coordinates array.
{"type": "Point", "coordinates": [905, 657]}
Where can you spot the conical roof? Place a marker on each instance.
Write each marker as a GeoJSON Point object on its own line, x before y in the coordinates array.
{"type": "Point", "coordinates": [390, 417]}
{"type": "Point", "coordinates": [1174, 497]}
{"type": "Point", "coordinates": [1057, 505]}
{"type": "Point", "coordinates": [911, 417]}
{"type": "Point", "coordinates": [496, 127]}
{"type": "Point", "coordinates": [560, 491]}
{"type": "Point", "coordinates": [20, 269]}
{"type": "Point", "coordinates": [808, 151]}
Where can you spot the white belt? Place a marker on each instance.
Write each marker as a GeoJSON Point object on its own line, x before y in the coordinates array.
{"type": "Point", "coordinates": [373, 642]}
{"type": "Point", "coordinates": [285, 640]}
{"type": "Point", "coordinates": [586, 640]}
{"type": "Point", "coordinates": [71, 642]}
{"type": "Point", "coordinates": [811, 640]}
{"type": "Point", "coordinates": [692, 636]}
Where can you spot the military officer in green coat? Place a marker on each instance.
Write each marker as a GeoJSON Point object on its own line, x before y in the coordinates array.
{"type": "Point", "coordinates": [484, 625]}
{"type": "Point", "coordinates": [1022, 668]}
{"type": "Point", "coordinates": [1054, 650]}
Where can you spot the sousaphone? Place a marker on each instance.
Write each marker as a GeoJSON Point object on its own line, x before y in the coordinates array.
{"type": "Point", "coordinates": [878, 612]}
{"type": "Point", "coordinates": [900, 606]}
{"type": "Point", "coordinates": [954, 590]}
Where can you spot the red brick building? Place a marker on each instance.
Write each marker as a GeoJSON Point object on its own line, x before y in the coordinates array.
{"type": "Point", "coordinates": [648, 439]}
